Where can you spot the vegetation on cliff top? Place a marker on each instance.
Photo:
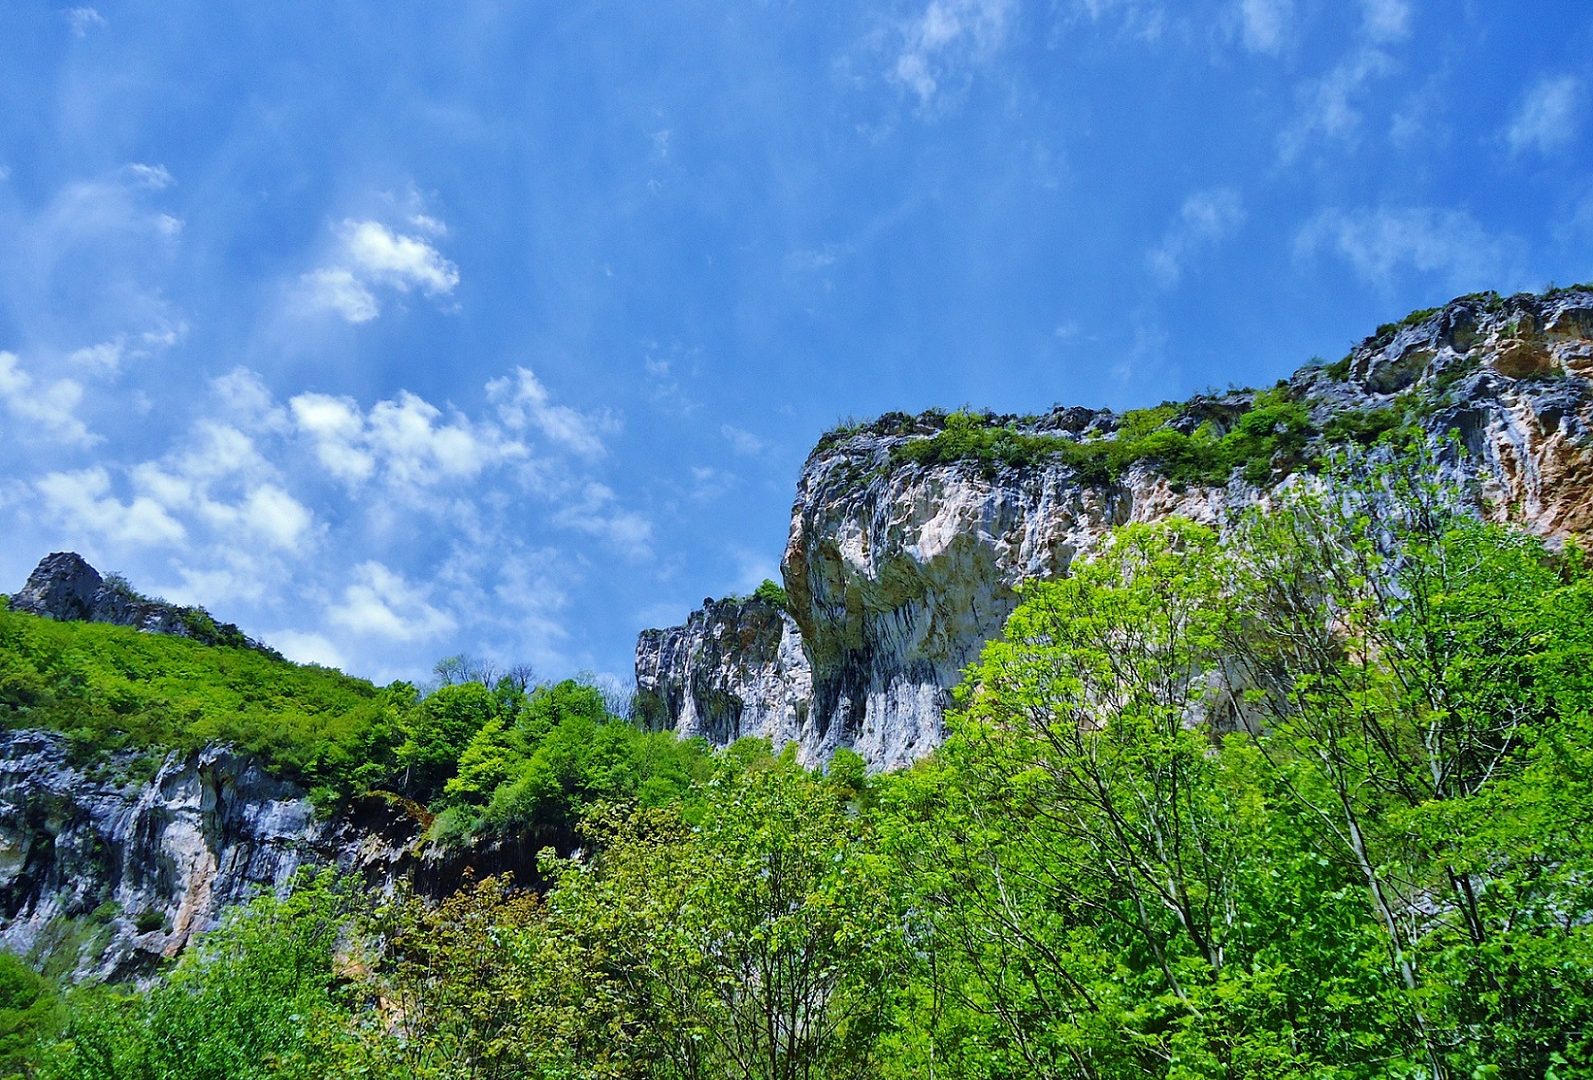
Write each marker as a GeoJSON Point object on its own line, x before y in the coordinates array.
{"type": "Point", "coordinates": [1260, 435]}
{"type": "Point", "coordinates": [1268, 436]}
{"type": "Point", "coordinates": [509, 757]}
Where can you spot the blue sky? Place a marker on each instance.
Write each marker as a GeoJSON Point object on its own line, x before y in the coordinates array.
{"type": "Point", "coordinates": [391, 331]}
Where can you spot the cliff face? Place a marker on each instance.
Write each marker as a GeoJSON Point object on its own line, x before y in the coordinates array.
{"type": "Point", "coordinates": [899, 571]}
{"type": "Point", "coordinates": [735, 668]}
{"type": "Point", "coordinates": [65, 587]}
{"type": "Point", "coordinates": [108, 875]}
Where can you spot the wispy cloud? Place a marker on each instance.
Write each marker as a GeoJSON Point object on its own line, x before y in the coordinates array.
{"type": "Point", "coordinates": [368, 256]}
{"type": "Point", "coordinates": [380, 602]}
{"type": "Point", "coordinates": [1548, 117]}
{"type": "Point", "coordinates": [107, 357]}
{"type": "Point", "coordinates": [82, 501]}
{"type": "Point", "coordinates": [945, 41]}
{"type": "Point", "coordinates": [1264, 25]}
{"type": "Point", "coordinates": [595, 509]}
{"type": "Point", "coordinates": [1205, 219]}
{"type": "Point", "coordinates": [153, 177]}
{"type": "Point", "coordinates": [1331, 107]}
{"type": "Point", "coordinates": [742, 441]}
{"type": "Point", "coordinates": [524, 403]}
{"type": "Point", "coordinates": [83, 19]}
{"type": "Point", "coordinates": [1386, 21]}
{"type": "Point", "coordinates": [48, 407]}
{"type": "Point", "coordinates": [1380, 243]}
{"type": "Point", "coordinates": [406, 440]}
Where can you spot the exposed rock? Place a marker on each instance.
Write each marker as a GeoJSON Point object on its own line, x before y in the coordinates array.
{"type": "Point", "coordinates": [735, 668]}
{"type": "Point", "coordinates": [898, 572]}
{"type": "Point", "coordinates": [64, 586]}
{"type": "Point", "coordinates": [111, 875]}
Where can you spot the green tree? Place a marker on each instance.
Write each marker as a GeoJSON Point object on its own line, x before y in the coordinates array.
{"type": "Point", "coordinates": [761, 943]}
{"type": "Point", "coordinates": [1409, 661]}
{"type": "Point", "coordinates": [439, 731]}
{"type": "Point", "coordinates": [29, 1015]}
{"type": "Point", "coordinates": [241, 1003]}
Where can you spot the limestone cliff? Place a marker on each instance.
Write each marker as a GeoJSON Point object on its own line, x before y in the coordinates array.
{"type": "Point", "coordinates": [898, 570]}
{"type": "Point", "coordinates": [735, 668]}
{"type": "Point", "coordinates": [106, 875]}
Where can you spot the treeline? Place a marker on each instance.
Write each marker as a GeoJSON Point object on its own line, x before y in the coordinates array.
{"type": "Point", "coordinates": [484, 751]}
{"type": "Point", "coordinates": [1313, 798]}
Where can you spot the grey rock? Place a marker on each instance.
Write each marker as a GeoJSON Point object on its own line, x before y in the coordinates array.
{"type": "Point", "coordinates": [63, 586]}
{"type": "Point", "coordinates": [736, 668]}
{"type": "Point", "coordinates": [111, 875]}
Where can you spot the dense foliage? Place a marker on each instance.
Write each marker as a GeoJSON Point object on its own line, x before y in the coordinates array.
{"type": "Point", "coordinates": [1314, 799]}
{"type": "Point", "coordinates": [507, 756]}
{"type": "Point", "coordinates": [1268, 436]}
{"type": "Point", "coordinates": [112, 688]}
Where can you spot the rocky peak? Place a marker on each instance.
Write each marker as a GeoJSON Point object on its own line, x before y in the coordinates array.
{"type": "Point", "coordinates": [65, 587]}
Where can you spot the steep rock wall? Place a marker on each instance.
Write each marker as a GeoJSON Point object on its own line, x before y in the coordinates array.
{"type": "Point", "coordinates": [735, 668]}
{"type": "Point", "coordinates": [898, 572]}
{"type": "Point", "coordinates": [110, 875]}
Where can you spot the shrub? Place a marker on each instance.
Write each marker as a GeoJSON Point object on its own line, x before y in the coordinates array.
{"type": "Point", "coordinates": [771, 593]}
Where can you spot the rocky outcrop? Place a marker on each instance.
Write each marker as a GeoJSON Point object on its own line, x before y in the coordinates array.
{"type": "Point", "coordinates": [736, 668]}
{"type": "Point", "coordinates": [65, 587]}
{"type": "Point", "coordinates": [899, 571]}
{"type": "Point", "coordinates": [108, 874]}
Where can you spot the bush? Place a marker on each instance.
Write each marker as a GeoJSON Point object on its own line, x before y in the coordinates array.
{"type": "Point", "coordinates": [771, 593]}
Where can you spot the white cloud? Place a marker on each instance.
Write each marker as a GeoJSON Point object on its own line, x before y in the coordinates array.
{"type": "Point", "coordinates": [1379, 243]}
{"type": "Point", "coordinates": [946, 40]}
{"type": "Point", "coordinates": [1264, 24]}
{"type": "Point", "coordinates": [709, 483]}
{"type": "Point", "coordinates": [153, 177]}
{"type": "Point", "coordinates": [594, 509]}
{"type": "Point", "coordinates": [741, 441]}
{"type": "Point", "coordinates": [337, 428]}
{"type": "Point", "coordinates": [370, 255]}
{"type": "Point", "coordinates": [50, 407]}
{"type": "Point", "coordinates": [337, 290]}
{"type": "Point", "coordinates": [266, 513]}
{"type": "Point", "coordinates": [404, 262]}
{"type": "Point", "coordinates": [406, 438]}
{"type": "Point", "coordinates": [381, 603]}
{"type": "Point", "coordinates": [307, 647]}
{"type": "Point", "coordinates": [82, 501]}
{"type": "Point", "coordinates": [524, 402]}
{"type": "Point", "coordinates": [1386, 21]}
{"type": "Point", "coordinates": [1330, 107]}
{"type": "Point", "coordinates": [427, 224]}
{"type": "Point", "coordinates": [223, 480]}
{"type": "Point", "coordinates": [107, 357]}
{"type": "Point", "coordinates": [1205, 219]}
{"type": "Point", "coordinates": [1548, 116]}
{"type": "Point", "coordinates": [417, 450]}
{"type": "Point", "coordinates": [245, 399]}
{"type": "Point", "coordinates": [83, 19]}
